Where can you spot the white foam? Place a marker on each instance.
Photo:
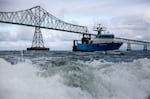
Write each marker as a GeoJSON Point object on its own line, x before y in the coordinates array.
{"type": "Point", "coordinates": [122, 80]}
{"type": "Point", "coordinates": [125, 80]}
{"type": "Point", "coordinates": [22, 82]}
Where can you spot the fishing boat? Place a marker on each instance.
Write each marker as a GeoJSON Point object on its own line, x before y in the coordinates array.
{"type": "Point", "coordinates": [101, 42]}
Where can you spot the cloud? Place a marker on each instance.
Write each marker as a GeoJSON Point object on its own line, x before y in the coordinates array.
{"type": "Point", "coordinates": [15, 32]}
{"type": "Point", "coordinates": [132, 27]}
{"type": "Point", "coordinates": [17, 45]}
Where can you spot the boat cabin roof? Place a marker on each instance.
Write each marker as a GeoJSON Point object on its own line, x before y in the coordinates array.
{"type": "Point", "coordinates": [105, 35]}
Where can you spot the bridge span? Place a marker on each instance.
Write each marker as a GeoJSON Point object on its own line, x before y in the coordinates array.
{"type": "Point", "coordinates": [136, 42]}
{"type": "Point", "coordinates": [39, 18]}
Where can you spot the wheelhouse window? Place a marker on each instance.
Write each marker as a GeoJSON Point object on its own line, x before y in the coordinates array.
{"type": "Point", "coordinates": [105, 36]}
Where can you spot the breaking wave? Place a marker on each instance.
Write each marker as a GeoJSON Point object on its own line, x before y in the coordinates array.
{"type": "Point", "coordinates": [65, 79]}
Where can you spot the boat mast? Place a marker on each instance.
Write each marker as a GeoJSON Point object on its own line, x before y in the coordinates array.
{"type": "Point", "coordinates": [99, 29]}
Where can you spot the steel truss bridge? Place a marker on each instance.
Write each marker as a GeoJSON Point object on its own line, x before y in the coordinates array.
{"type": "Point", "coordinates": [136, 42]}
{"type": "Point", "coordinates": [39, 18]}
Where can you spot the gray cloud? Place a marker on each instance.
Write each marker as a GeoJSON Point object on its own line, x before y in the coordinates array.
{"type": "Point", "coordinates": [15, 32]}
{"type": "Point", "coordinates": [4, 36]}
{"type": "Point", "coordinates": [133, 27]}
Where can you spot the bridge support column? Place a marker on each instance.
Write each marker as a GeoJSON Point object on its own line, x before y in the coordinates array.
{"type": "Point", "coordinates": [37, 38]}
{"type": "Point", "coordinates": [145, 48]}
{"type": "Point", "coordinates": [37, 43]}
{"type": "Point", "coordinates": [128, 46]}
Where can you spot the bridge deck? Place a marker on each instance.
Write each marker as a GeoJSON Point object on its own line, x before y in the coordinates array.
{"type": "Point", "coordinates": [137, 42]}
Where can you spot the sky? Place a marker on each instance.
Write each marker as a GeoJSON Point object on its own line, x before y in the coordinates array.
{"type": "Point", "coordinates": [124, 18]}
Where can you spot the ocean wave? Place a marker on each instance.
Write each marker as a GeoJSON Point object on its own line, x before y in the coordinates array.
{"type": "Point", "coordinates": [67, 79]}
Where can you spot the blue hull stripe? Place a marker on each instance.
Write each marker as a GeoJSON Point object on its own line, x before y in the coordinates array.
{"type": "Point", "coordinates": [98, 47]}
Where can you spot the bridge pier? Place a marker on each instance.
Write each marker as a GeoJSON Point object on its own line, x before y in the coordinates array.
{"type": "Point", "coordinates": [37, 43]}
{"type": "Point", "coordinates": [145, 47]}
{"type": "Point", "coordinates": [128, 46]}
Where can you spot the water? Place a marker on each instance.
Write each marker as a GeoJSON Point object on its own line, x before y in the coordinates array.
{"type": "Point", "coordinates": [74, 75]}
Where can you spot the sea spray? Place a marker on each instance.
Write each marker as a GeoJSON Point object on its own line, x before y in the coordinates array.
{"type": "Point", "coordinates": [22, 81]}
{"type": "Point", "coordinates": [63, 79]}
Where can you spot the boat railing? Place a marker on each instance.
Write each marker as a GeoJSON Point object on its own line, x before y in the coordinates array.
{"type": "Point", "coordinates": [77, 41]}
